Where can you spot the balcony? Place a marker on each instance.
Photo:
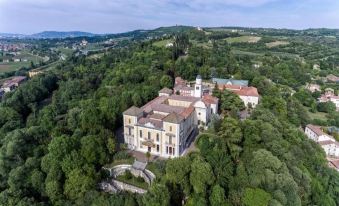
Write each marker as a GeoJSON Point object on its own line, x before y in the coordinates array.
{"type": "Point", "coordinates": [148, 143]}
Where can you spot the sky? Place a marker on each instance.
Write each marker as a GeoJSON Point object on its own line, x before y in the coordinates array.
{"type": "Point", "coordinates": [115, 16]}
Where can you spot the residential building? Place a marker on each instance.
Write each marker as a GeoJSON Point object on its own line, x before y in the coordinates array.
{"type": "Point", "coordinates": [166, 125]}
{"type": "Point", "coordinates": [313, 87]}
{"type": "Point", "coordinates": [331, 147]}
{"type": "Point", "coordinates": [249, 95]}
{"type": "Point", "coordinates": [327, 142]}
{"type": "Point", "coordinates": [83, 43]}
{"type": "Point", "coordinates": [316, 134]}
{"type": "Point", "coordinates": [330, 96]}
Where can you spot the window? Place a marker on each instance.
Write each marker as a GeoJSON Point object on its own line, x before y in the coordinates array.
{"type": "Point", "coordinates": [157, 148]}
{"type": "Point", "coordinates": [166, 149]}
{"type": "Point", "coordinates": [170, 150]}
{"type": "Point", "coordinates": [129, 131]}
{"type": "Point", "coordinates": [198, 122]}
{"type": "Point", "coordinates": [197, 88]}
{"type": "Point", "coordinates": [170, 128]}
{"type": "Point", "coordinates": [170, 140]}
{"type": "Point", "coordinates": [149, 135]}
{"type": "Point", "coordinates": [199, 113]}
{"type": "Point", "coordinates": [157, 137]}
{"type": "Point", "coordinates": [129, 121]}
{"type": "Point", "coordinates": [140, 133]}
{"type": "Point", "coordinates": [173, 150]}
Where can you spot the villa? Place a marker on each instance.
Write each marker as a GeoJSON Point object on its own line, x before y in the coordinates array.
{"type": "Point", "coordinates": [166, 125]}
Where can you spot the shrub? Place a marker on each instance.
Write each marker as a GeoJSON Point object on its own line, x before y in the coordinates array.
{"type": "Point", "coordinates": [128, 175]}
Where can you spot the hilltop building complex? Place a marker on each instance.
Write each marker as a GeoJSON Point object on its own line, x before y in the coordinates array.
{"type": "Point", "coordinates": [166, 125]}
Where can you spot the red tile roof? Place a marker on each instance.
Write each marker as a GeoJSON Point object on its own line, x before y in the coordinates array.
{"type": "Point", "coordinates": [315, 129]}
{"type": "Point", "coordinates": [166, 90]}
{"type": "Point", "coordinates": [210, 99]}
{"type": "Point", "coordinates": [335, 163]}
{"type": "Point", "coordinates": [248, 91]}
{"type": "Point", "coordinates": [187, 112]}
{"type": "Point", "coordinates": [241, 90]}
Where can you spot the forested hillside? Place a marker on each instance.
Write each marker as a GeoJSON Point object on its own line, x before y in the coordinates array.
{"type": "Point", "coordinates": [57, 130]}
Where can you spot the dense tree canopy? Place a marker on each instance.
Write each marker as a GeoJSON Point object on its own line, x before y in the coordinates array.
{"type": "Point", "coordinates": [57, 130]}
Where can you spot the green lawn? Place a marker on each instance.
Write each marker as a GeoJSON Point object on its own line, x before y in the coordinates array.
{"type": "Point", "coordinates": [162, 43]}
{"type": "Point", "coordinates": [94, 46]}
{"type": "Point", "coordinates": [316, 115]}
{"type": "Point", "coordinates": [242, 39]}
{"type": "Point", "coordinates": [12, 66]}
{"type": "Point", "coordinates": [66, 51]}
{"type": "Point", "coordinates": [133, 181]}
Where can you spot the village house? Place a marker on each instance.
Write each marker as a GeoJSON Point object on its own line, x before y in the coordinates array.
{"type": "Point", "coordinates": [313, 87]}
{"type": "Point", "coordinates": [327, 142]}
{"type": "Point", "coordinates": [330, 96]}
{"type": "Point", "coordinates": [13, 83]}
{"type": "Point", "coordinates": [83, 43]}
{"type": "Point", "coordinates": [316, 134]}
{"type": "Point", "coordinates": [249, 95]}
{"type": "Point", "coordinates": [166, 125]}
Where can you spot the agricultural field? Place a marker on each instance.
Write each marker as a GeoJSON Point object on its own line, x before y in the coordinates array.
{"type": "Point", "coordinates": [243, 39]}
{"type": "Point", "coordinates": [94, 46]}
{"type": "Point", "coordinates": [65, 51]}
{"type": "Point", "coordinates": [13, 66]}
{"type": "Point", "coordinates": [276, 43]}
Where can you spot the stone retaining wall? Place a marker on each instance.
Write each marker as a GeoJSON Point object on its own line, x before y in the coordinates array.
{"type": "Point", "coordinates": [127, 187]}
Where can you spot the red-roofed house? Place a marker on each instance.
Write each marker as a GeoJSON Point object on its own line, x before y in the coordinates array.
{"type": "Point", "coordinates": [249, 95]}
{"type": "Point", "coordinates": [316, 134]}
{"type": "Point", "coordinates": [327, 142]}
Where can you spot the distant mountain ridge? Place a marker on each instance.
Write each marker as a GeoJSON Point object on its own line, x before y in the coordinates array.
{"type": "Point", "coordinates": [50, 35]}
{"type": "Point", "coordinates": [60, 34]}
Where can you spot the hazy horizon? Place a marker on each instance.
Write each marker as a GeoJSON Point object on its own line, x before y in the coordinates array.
{"type": "Point", "coordinates": [104, 16]}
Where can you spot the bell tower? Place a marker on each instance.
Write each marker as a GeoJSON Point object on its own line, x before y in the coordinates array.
{"type": "Point", "coordinates": [198, 87]}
